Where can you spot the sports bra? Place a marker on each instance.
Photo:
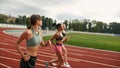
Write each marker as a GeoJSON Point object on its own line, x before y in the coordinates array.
{"type": "Point", "coordinates": [35, 40]}
{"type": "Point", "coordinates": [63, 34]}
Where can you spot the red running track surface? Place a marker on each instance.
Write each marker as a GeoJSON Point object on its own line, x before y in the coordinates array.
{"type": "Point", "coordinates": [78, 57]}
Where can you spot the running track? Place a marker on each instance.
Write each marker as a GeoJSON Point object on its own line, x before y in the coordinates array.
{"type": "Point", "coordinates": [78, 57]}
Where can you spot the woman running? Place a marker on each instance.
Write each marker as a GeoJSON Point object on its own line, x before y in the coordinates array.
{"type": "Point", "coordinates": [66, 64]}
{"type": "Point", "coordinates": [58, 46]}
{"type": "Point", "coordinates": [33, 40]}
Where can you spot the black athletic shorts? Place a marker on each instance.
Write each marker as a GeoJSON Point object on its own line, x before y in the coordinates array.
{"type": "Point", "coordinates": [28, 64]}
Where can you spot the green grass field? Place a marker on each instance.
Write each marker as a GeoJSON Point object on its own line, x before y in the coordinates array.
{"type": "Point", "coordinates": [94, 41]}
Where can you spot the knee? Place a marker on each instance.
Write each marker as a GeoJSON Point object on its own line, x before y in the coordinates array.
{"type": "Point", "coordinates": [65, 52]}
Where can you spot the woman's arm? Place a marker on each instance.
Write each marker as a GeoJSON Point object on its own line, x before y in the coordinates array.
{"type": "Point", "coordinates": [17, 45]}
{"type": "Point", "coordinates": [66, 38]}
{"type": "Point", "coordinates": [52, 38]}
{"type": "Point", "coordinates": [44, 43]}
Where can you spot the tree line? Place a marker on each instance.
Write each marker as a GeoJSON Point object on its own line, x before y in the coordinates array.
{"type": "Point", "coordinates": [24, 20]}
{"type": "Point", "coordinates": [93, 26]}
{"type": "Point", "coordinates": [85, 25]}
{"type": "Point", "coordinates": [46, 21]}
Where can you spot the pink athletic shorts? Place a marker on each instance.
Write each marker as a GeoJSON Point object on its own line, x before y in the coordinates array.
{"type": "Point", "coordinates": [57, 47]}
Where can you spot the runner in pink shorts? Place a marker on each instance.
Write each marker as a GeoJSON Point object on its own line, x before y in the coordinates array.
{"type": "Point", "coordinates": [59, 37]}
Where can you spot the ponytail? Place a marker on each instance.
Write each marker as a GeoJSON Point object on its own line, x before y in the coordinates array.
{"type": "Point", "coordinates": [29, 27]}
{"type": "Point", "coordinates": [56, 25]}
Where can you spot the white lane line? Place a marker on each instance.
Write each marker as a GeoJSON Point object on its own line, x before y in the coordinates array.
{"type": "Point", "coordinates": [79, 55]}
{"type": "Point", "coordinates": [94, 62]}
{"type": "Point", "coordinates": [83, 51]}
{"type": "Point", "coordinates": [91, 53]}
{"type": "Point", "coordinates": [93, 49]}
{"type": "Point", "coordinates": [8, 58]}
{"type": "Point", "coordinates": [78, 60]}
{"type": "Point", "coordinates": [3, 49]}
{"type": "Point", "coordinates": [102, 58]}
{"type": "Point", "coordinates": [72, 49]}
{"type": "Point", "coordinates": [5, 65]}
{"type": "Point", "coordinates": [49, 55]}
{"type": "Point", "coordinates": [22, 47]}
{"type": "Point", "coordinates": [9, 51]}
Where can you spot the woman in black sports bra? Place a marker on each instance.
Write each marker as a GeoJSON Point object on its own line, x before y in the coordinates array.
{"type": "Point", "coordinates": [60, 38]}
{"type": "Point", "coordinates": [65, 64]}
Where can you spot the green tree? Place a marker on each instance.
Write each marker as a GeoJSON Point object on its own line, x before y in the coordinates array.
{"type": "Point", "coordinates": [89, 26]}
{"type": "Point", "coordinates": [50, 22]}
{"type": "Point", "coordinates": [105, 30]}
{"type": "Point", "coordinates": [114, 27]}
{"type": "Point", "coordinates": [2, 21]}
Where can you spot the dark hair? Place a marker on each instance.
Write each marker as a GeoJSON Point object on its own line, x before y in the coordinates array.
{"type": "Point", "coordinates": [33, 20]}
{"type": "Point", "coordinates": [29, 27]}
{"type": "Point", "coordinates": [57, 25]}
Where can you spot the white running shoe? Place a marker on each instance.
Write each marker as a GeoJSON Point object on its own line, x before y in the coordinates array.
{"type": "Point", "coordinates": [66, 65]}
{"type": "Point", "coordinates": [54, 64]}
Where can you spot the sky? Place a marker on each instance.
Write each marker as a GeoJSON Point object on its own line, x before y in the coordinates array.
{"type": "Point", "coordinates": [101, 10]}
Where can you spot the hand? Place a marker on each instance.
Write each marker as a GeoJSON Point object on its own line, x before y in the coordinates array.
{"type": "Point", "coordinates": [26, 57]}
{"type": "Point", "coordinates": [69, 36]}
{"type": "Point", "coordinates": [45, 43]}
{"type": "Point", "coordinates": [49, 42]}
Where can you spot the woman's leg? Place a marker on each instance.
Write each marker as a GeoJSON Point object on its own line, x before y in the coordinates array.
{"type": "Point", "coordinates": [58, 50]}
{"type": "Point", "coordinates": [64, 53]}
{"type": "Point", "coordinates": [60, 58]}
{"type": "Point", "coordinates": [66, 64]}
{"type": "Point", "coordinates": [55, 58]}
{"type": "Point", "coordinates": [53, 61]}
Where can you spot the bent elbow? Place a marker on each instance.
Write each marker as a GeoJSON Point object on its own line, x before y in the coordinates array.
{"type": "Point", "coordinates": [16, 45]}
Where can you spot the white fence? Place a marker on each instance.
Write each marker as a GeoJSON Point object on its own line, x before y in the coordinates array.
{"type": "Point", "coordinates": [2, 25]}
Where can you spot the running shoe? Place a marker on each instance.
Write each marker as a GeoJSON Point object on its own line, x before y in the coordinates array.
{"type": "Point", "coordinates": [47, 64]}
{"type": "Point", "coordinates": [66, 65]}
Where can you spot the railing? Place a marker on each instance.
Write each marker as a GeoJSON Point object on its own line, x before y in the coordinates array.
{"type": "Point", "coordinates": [4, 25]}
